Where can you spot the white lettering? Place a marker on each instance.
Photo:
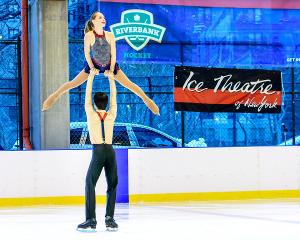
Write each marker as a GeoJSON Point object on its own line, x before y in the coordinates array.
{"type": "Point", "coordinates": [189, 82]}
{"type": "Point", "coordinates": [156, 33]}
{"type": "Point", "coordinates": [251, 103]}
{"type": "Point", "coordinates": [249, 87]}
{"type": "Point", "coordinates": [150, 31]}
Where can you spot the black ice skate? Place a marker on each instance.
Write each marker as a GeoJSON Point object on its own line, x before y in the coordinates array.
{"type": "Point", "coordinates": [88, 226]}
{"type": "Point", "coordinates": [111, 225]}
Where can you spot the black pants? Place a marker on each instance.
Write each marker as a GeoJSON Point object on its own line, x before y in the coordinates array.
{"type": "Point", "coordinates": [103, 156]}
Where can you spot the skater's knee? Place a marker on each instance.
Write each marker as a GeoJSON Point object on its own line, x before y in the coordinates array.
{"type": "Point", "coordinates": [113, 184]}
{"type": "Point", "coordinates": [68, 84]}
{"type": "Point", "coordinates": [89, 181]}
{"type": "Point", "coordinates": [72, 84]}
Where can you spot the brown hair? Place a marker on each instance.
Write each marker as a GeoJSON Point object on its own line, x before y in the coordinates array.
{"type": "Point", "coordinates": [89, 26]}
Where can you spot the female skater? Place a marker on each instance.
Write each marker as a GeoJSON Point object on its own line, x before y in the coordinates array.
{"type": "Point", "coordinates": [103, 47]}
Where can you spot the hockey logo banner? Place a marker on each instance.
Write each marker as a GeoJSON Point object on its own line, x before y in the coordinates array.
{"type": "Point", "coordinates": [137, 28]}
{"type": "Point", "coordinates": [227, 90]}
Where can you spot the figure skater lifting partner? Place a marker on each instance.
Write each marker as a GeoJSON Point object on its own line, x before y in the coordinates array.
{"type": "Point", "coordinates": [103, 47]}
{"type": "Point", "coordinates": [100, 126]}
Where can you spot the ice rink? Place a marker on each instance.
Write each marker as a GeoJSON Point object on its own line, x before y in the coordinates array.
{"type": "Point", "coordinates": [227, 220]}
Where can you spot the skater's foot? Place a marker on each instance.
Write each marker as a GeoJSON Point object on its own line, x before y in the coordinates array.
{"type": "Point", "coordinates": [87, 226]}
{"type": "Point", "coordinates": [111, 225]}
{"type": "Point", "coordinates": [152, 106]}
{"type": "Point", "coordinates": [49, 102]}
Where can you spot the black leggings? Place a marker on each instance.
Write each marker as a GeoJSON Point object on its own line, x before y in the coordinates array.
{"type": "Point", "coordinates": [103, 156]}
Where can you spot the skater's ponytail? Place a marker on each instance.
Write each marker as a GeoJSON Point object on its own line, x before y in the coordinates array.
{"type": "Point", "coordinates": [89, 26]}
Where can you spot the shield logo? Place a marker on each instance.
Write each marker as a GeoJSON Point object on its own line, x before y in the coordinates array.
{"type": "Point", "coordinates": [133, 16]}
{"type": "Point", "coordinates": [137, 28]}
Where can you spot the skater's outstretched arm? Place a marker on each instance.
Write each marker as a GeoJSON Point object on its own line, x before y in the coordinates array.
{"type": "Point", "coordinates": [113, 97]}
{"type": "Point", "coordinates": [88, 105]}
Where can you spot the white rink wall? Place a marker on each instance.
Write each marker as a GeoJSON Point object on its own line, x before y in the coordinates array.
{"type": "Point", "coordinates": [192, 170]}
{"type": "Point", "coordinates": [153, 171]}
{"type": "Point", "coordinates": [44, 173]}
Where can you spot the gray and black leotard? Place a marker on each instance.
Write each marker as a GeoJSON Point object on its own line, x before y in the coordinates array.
{"type": "Point", "coordinates": [101, 50]}
{"type": "Point", "coordinates": [101, 54]}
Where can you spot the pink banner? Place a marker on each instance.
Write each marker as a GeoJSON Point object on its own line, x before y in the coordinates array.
{"type": "Point", "coordinates": [273, 4]}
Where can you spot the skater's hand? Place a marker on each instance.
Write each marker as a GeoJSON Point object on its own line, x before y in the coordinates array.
{"type": "Point", "coordinates": [94, 71]}
{"type": "Point", "coordinates": [109, 74]}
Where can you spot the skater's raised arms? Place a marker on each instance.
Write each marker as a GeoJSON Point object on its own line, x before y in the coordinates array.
{"type": "Point", "coordinates": [113, 98]}
{"type": "Point", "coordinates": [88, 95]}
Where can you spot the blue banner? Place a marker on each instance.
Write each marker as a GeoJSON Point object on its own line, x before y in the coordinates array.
{"type": "Point", "coordinates": [198, 36]}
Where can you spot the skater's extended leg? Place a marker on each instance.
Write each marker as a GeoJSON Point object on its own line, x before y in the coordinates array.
{"type": "Point", "coordinates": [123, 80]}
{"type": "Point", "coordinates": [78, 80]}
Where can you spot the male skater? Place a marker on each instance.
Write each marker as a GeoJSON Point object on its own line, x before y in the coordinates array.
{"type": "Point", "coordinates": [100, 126]}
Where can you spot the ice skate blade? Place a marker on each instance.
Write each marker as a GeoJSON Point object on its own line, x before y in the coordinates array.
{"type": "Point", "coordinates": [111, 229]}
{"type": "Point", "coordinates": [87, 230]}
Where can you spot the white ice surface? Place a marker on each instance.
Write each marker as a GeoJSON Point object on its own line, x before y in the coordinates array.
{"type": "Point", "coordinates": [229, 220]}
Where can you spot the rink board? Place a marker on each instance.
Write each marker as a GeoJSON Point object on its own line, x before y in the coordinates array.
{"type": "Point", "coordinates": [213, 173]}
{"type": "Point", "coordinates": [53, 177]}
{"type": "Point", "coordinates": [152, 175]}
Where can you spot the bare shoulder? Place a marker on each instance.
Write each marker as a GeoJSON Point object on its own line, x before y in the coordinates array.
{"type": "Point", "coordinates": [109, 34]}
{"type": "Point", "coordinates": [89, 34]}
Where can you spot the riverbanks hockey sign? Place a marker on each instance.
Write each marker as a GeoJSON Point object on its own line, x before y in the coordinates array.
{"type": "Point", "coordinates": [137, 28]}
{"type": "Point", "coordinates": [227, 90]}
